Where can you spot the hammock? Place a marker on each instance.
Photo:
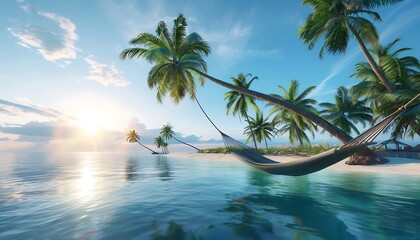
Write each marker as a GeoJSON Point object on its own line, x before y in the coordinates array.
{"type": "Point", "coordinates": [305, 165]}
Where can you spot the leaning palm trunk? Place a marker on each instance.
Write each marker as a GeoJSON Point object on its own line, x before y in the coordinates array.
{"type": "Point", "coordinates": [388, 84]}
{"type": "Point", "coordinates": [333, 130]}
{"type": "Point", "coordinates": [368, 157]}
{"type": "Point", "coordinates": [186, 144]}
{"type": "Point", "coordinates": [252, 131]}
{"type": "Point", "coordinates": [146, 147]}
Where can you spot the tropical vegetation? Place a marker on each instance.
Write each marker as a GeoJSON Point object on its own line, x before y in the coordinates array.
{"type": "Point", "coordinates": [260, 128]}
{"type": "Point", "coordinates": [239, 103]}
{"type": "Point", "coordinates": [404, 73]}
{"type": "Point", "coordinates": [347, 111]}
{"type": "Point", "coordinates": [178, 57]}
{"type": "Point", "coordinates": [387, 79]}
{"type": "Point", "coordinates": [167, 133]}
{"type": "Point", "coordinates": [134, 137]}
{"type": "Point", "coordinates": [289, 122]}
{"type": "Point", "coordinates": [160, 143]}
{"type": "Point", "coordinates": [337, 20]}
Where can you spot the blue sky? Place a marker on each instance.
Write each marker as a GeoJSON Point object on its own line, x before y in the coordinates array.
{"type": "Point", "coordinates": [64, 87]}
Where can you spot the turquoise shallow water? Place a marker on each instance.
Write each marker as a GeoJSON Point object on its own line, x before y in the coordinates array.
{"type": "Point", "coordinates": [134, 196]}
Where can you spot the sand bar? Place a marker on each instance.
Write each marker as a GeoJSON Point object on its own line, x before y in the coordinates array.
{"type": "Point", "coordinates": [395, 166]}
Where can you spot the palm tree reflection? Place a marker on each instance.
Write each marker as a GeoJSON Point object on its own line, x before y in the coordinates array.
{"type": "Point", "coordinates": [131, 169]}
{"type": "Point", "coordinates": [165, 171]}
{"type": "Point", "coordinates": [252, 214]}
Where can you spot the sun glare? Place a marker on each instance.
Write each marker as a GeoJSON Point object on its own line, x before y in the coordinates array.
{"type": "Point", "coordinates": [91, 123]}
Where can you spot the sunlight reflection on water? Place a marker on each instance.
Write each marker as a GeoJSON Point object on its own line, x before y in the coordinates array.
{"type": "Point", "coordinates": [122, 196]}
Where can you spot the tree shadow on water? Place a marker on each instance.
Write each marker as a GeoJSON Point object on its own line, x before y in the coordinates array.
{"type": "Point", "coordinates": [131, 169]}
{"type": "Point", "coordinates": [164, 168]}
{"type": "Point", "coordinates": [252, 214]}
{"type": "Point", "coordinates": [393, 215]}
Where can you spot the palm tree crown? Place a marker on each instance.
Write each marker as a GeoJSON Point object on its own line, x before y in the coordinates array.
{"type": "Point", "coordinates": [160, 143]}
{"type": "Point", "coordinates": [293, 123]}
{"type": "Point", "coordinates": [336, 19]}
{"type": "Point", "coordinates": [346, 111]}
{"type": "Point", "coordinates": [167, 133]}
{"type": "Point", "coordinates": [240, 102]}
{"type": "Point", "coordinates": [134, 137]}
{"type": "Point", "coordinates": [404, 72]}
{"type": "Point", "coordinates": [261, 127]}
{"type": "Point", "coordinates": [172, 53]}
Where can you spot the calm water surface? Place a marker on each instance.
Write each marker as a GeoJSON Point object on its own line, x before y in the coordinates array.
{"type": "Point", "coordinates": [134, 196]}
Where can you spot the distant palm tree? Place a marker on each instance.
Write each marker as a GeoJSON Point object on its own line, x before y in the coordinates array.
{"type": "Point", "coordinates": [167, 133]}
{"type": "Point", "coordinates": [261, 127]}
{"type": "Point", "coordinates": [133, 136]}
{"type": "Point", "coordinates": [160, 143]}
{"type": "Point", "coordinates": [178, 57]}
{"type": "Point", "coordinates": [336, 19]}
{"type": "Point", "coordinates": [404, 72]}
{"type": "Point", "coordinates": [239, 101]}
{"type": "Point", "coordinates": [346, 111]}
{"type": "Point", "coordinates": [292, 123]}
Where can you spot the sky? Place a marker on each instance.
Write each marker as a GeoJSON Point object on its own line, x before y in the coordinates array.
{"type": "Point", "coordinates": [64, 88]}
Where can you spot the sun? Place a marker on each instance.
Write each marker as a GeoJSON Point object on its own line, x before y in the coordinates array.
{"type": "Point", "coordinates": [91, 123]}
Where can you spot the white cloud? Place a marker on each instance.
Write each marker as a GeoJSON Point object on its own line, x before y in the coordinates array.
{"type": "Point", "coordinates": [232, 44]}
{"type": "Point", "coordinates": [107, 75]}
{"type": "Point", "coordinates": [400, 22]}
{"type": "Point", "coordinates": [54, 43]}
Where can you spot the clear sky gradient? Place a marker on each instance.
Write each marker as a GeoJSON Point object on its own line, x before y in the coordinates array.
{"type": "Point", "coordinates": [63, 86]}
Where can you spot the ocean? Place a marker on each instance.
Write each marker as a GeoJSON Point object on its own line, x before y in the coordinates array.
{"type": "Point", "coordinates": [139, 196]}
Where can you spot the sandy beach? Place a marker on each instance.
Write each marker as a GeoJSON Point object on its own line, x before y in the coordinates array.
{"type": "Point", "coordinates": [394, 166]}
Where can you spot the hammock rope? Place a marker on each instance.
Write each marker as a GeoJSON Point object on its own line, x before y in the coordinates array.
{"type": "Point", "coordinates": [305, 165]}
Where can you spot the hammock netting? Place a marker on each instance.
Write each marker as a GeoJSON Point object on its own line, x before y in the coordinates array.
{"type": "Point", "coordinates": [305, 165]}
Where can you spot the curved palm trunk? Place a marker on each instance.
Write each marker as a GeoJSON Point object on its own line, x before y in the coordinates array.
{"type": "Point", "coordinates": [252, 131]}
{"type": "Point", "coordinates": [333, 130]}
{"type": "Point", "coordinates": [186, 144]}
{"type": "Point", "coordinates": [146, 147]}
{"type": "Point", "coordinates": [388, 84]}
{"type": "Point", "coordinates": [266, 145]}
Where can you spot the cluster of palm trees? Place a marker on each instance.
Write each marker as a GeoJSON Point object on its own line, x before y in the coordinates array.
{"type": "Point", "coordinates": [344, 113]}
{"type": "Point", "coordinates": [166, 133]}
{"type": "Point", "coordinates": [387, 81]}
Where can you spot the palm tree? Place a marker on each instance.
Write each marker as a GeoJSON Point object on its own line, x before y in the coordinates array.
{"type": "Point", "coordinates": [178, 57]}
{"type": "Point", "coordinates": [336, 19]}
{"type": "Point", "coordinates": [133, 136]}
{"type": "Point", "coordinates": [293, 123]}
{"type": "Point", "coordinates": [404, 73]}
{"type": "Point", "coordinates": [160, 143]}
{"type": "Point", "coordinates": [261, 128]}
{"type": "Point", "coordinates": [167, 133]}
{"type": "Point", "coordinates": [239, 101]}
{"type": "Point", "coordinates": [346, 111]}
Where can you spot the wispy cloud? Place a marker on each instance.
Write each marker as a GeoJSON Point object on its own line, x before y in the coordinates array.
{"type": "Point", "coordinates": [401, 21]}
{"type": "Point", "coordinates": [232, 43]}
{"type": "Point", "coordinates": [134, 18]}
{"type": "Point", "coordinates": [17, 109]}
{"type": "Point", "coordinates": [49, 130]}
{"type": "Point", "coordinates": [321, 90]}
{"type": "Point", "coordinates": [54, 42]}
{"type": "Point", "coordinates": [108, 75]}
